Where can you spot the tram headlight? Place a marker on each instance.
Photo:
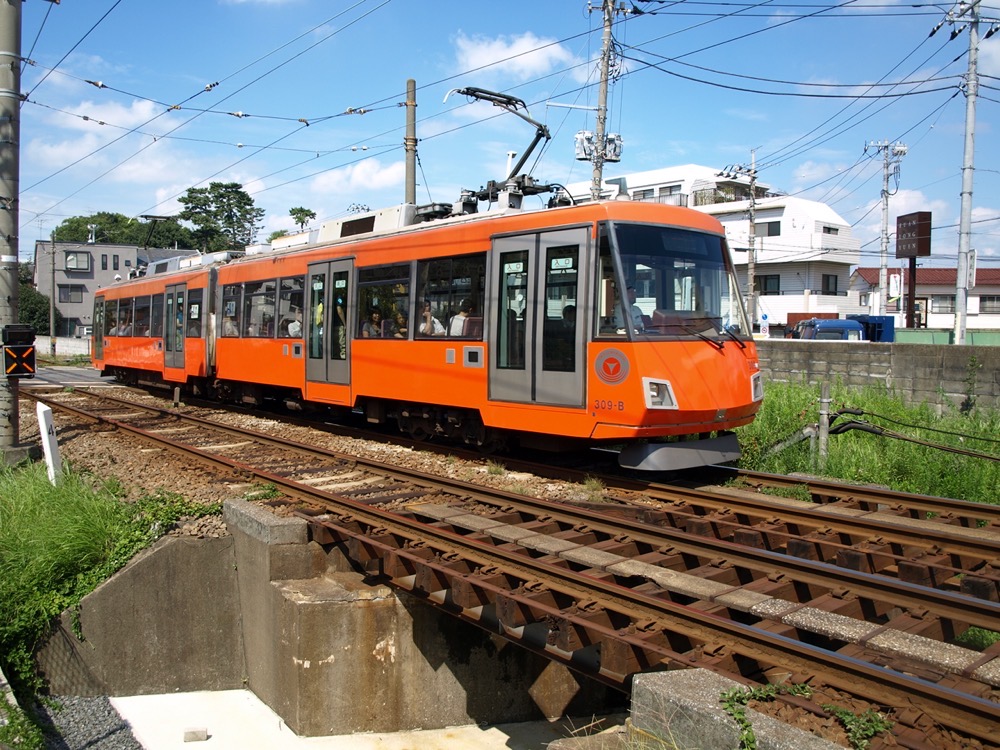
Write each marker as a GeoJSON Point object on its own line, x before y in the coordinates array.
{"type": "Point", "coordinates": [659, 394]}
{"type": "Point", "coordinates": [757, 386]}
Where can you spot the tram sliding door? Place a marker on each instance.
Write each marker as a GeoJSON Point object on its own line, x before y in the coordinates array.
{"type": "Point", "coordinates": [173, 326]}
{"type": "Point", "coordinates": [328, 285]}
{"type": "Point", "coordinates": [537, 330]}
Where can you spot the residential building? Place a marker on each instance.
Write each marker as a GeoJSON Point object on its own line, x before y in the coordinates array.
{"type": "Point", "coordinates": [935, 296]}
{"type": "Point", "coordinates": [76, 270]}
{"type": "Point", "coordinates": [803, 250]}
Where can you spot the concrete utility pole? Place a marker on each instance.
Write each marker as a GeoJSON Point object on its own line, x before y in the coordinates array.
{"type": "Point", "coordinates": [600, 134]}
{"type": "Point", "coordinates": [410, 141]}
{"type": "Point", "coordinates": [892, 155]}
{"type": "Point", "coordinates": [731, 172]}
{"type": "Point", "coordinates": [10, 136]}
{"type": "Point", "coordinates": [965, 222]}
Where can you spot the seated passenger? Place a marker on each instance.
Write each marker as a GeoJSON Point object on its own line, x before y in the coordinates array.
{"type": "Point", "coordinates": [457, 325]}
{"type": "Point", "coordinates": [372, 328]}
{"type": "Point", "coordinates": [429, 325]}
{"type": "Point", "coordinates": [294, 328]}
{"type": "Point", "coordinates": [229, 327]}
{"type": "Point", "coordinates": [399, 327]}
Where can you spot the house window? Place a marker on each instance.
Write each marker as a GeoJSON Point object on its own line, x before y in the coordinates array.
{"type": "Point", "coordinates": [70, 293]}
{"type": "Point", "coordinates": [114, 262]}
{"type": "Point", "coordinates": [670, 190]}
{"type": "Point", "coordinates": [829, 283]}
{"type": "Point", "coordinates": [77, 261]}
{"type": "Point", "coordinates": [643, 195]}
{"type": "Point", "coordinates": [831, 230]}
{"type": "Point", "coordinates": [943, 303]}
{"type": "Point", "coordinates": [767, 285]}
{"type": "Point", "coordinates": [104, 262]}
{"type": "Point", "coordinates": [767, 229]}
{"type": "Point", "coordinates": [989, 304]}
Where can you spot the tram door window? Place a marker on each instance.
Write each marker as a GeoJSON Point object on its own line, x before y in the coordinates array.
{"type": "Point", "coordinates": [99, 328]}
{"type": "Point", "coordinates": [173, 333]}
{"type": "Point", "coordinates": [317, 294]}
{"type": "Point", "coordinates": [560, 352]}
{"type": "Point", "coordinates": [338, 317]}
{"type": "Point", "coordinates": [510, 328]}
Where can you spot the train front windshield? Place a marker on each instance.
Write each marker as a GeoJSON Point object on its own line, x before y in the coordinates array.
{"type": "Point", "coordinates": [677, 283]}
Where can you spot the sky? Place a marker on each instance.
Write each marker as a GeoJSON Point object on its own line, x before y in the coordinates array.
{"type": "Point", "coordinates": [130, 103]}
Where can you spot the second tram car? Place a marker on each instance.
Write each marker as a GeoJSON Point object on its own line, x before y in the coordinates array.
{"type": "Point", "coordinates": [606, 323]}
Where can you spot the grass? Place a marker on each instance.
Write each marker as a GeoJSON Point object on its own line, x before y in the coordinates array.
{"type": "Point", "coordinates": [56, 545]}
{"type": "Point", "coordinates": [865, 458]}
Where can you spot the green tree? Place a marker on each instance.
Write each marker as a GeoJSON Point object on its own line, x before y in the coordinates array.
{"type": "Point", "coordinates": [276, 234]}
{"type": "Point", "coordinates": [223, 214]}
{"type": "Point", "coordinates": [118, 229]}
{"type": "Point", "coordinates": [32, 307]}
{"type": "Point", "coordinates": [302, 216]}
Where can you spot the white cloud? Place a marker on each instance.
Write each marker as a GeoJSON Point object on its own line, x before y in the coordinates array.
{"type": "Point", "coordinates": [365, 176]}
{"type": "Point", "coordinates": [518, 58]}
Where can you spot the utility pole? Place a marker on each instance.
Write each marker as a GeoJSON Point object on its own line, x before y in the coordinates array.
{"type": "Point", "coordinates": [410, 141]}
{"type": "Point", "coordinates": [740, 170]}
{"type": "Point", "coordinates": [892, 155]}
{"type": "Point", "coordinates": [10, 136]}
{"type": "Point", "coordinates": [608, 6]}
{"type": "Point", "coordinates": [965, 221]}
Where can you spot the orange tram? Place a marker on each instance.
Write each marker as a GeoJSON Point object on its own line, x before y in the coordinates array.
{"type": "Point", "coordinates": [607, 323]}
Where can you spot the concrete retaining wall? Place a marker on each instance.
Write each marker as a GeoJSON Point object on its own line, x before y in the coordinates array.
{"type": "Point", "coordinates": [331, 654]}
{"type": "Point", "coordinates": [940, 375]}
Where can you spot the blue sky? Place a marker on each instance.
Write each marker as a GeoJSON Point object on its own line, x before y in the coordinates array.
{"type": "Point", "coordinates": [802, 82]}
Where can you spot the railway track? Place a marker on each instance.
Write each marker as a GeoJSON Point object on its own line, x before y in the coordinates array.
{"type": "Point", "coordinates": [671, 577]}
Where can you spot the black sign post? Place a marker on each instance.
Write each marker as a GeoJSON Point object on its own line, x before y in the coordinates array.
{"type": "Point", "coordinates": [913, 240]}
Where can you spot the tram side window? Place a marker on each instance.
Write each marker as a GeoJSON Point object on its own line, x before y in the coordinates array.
{"type": "Point", "coordinates": [258, 308]}
{"type": "Point", "coordinates": [451, 296]}
{"type": "Point", "coordinates": [290, 296]}
{"type": "Point", "coordinates": [141, 327]}
{"type": "Point", "coordinates": [156, 317]}
{"type": "Point", "coordinates": [384, 302]}
{"type": "Point", "coordinates": [110, 317]}
{"type": "Point", "coordinates": [231, 294]}
{"type": "Point", "coordinates": [125, 317]}
{"type": "Point", "coordinates": [195, 313]}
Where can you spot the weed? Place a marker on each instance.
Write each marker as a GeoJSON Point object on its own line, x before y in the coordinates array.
{"type": "Point", "coordinates": [17, 730]}
{"type": "Point", "coordinates": [795, 492]}
{"type": "Point", "coordinates": [594, 488]}
{"type": "Point", "coordinates": [860, 727]}
{"type": "Point", "coordinates": [978, 639]}
{"type": "Point", "coordinates": [735, 700]}
{"type": "Point", "coordinates": [495, 468]}
{"type": "Point", "coordinates": [267, 491]}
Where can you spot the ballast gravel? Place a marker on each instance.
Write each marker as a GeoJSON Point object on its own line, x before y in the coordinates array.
{"type": "Point", "coordinates": [88, 724]}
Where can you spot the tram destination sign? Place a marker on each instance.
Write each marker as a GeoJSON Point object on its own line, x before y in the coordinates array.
{"type": "Point", "coordinates": [913, 235]}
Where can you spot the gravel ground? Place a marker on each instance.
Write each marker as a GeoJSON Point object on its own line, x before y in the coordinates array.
{"type": "Point", "coordinates": [88, 724]}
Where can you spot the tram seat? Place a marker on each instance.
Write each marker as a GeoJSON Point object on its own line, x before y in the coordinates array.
{"type": "Point", "coordinates": [472, 328]}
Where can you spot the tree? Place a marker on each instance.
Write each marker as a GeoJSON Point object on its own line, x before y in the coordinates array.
{"type": "Point", "coordinates": [118, 229]}
{"type": "Point", "coordinates": [276, 234]}
{"type": "Point", "coordinates": [302, 216]}
{"type": "Point", "coordinates": [223, 214]}
{"type": "Point", "coordinates": [32, 307]}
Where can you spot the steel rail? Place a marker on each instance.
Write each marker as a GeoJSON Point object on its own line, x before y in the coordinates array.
{"type": "Point", "coordinates": [950, 605]}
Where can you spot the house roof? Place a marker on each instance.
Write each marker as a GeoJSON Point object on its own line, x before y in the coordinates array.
{"type": "Point", "coordinates": [932, 276]}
